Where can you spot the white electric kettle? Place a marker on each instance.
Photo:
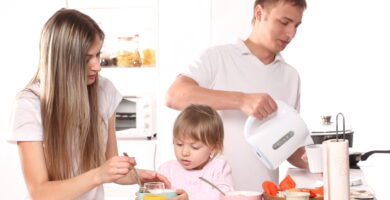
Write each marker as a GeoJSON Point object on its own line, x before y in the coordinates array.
{"type": "Point", "coordinates": [277, 136]}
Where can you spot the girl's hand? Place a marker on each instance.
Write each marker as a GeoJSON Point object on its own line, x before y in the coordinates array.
{"type": "Point", "coordinates": [182, 195]}
{"type": "Point", "coordinates": [152, 176]}
{"type": "Point", "coordinates": [115, 168]}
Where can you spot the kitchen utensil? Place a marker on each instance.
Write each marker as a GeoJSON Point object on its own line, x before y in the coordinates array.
{"type": "Point", "coordinates": [335, 166]}
{"type": "Point", "coordinates": [214, 186]}
{"type": "Point", "coordinates": [141, 189]}
{"type": "Point", "coordinates": [276, 137]}
{"type": "Point", "coordinates": [241, 195]}
{"type": "Point", "coordinates": [355, 157]}
{"type": "Point", "coordinates": [326, 130]}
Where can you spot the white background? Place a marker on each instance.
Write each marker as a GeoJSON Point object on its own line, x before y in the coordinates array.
{"type": "Point", "coordinates": [341, 52]}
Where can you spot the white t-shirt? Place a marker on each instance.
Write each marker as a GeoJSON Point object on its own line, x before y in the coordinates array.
{"type": "Point", "coordinates": [26, 123]}
{"type": "Point", "coordinates": [217, 171]}
{"type": "Point", "coordinates": [233, 67]}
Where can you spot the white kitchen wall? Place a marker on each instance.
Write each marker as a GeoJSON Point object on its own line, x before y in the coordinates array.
{"type": "Point", "coordinates": [184, 30]}
{"type": "Point", "coordinates": [20, 23]}
{"type": "Point", "coordinates": [231, 19]}
{"type": "Point", "coordinates": [340, 51]}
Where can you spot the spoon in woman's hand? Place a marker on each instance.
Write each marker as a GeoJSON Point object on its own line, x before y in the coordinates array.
{"type": "Point", "coordinates": [141, 188]}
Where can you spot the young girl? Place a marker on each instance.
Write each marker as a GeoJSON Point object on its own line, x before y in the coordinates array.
{"type": "Point", "coordinates": [198, 139]}
{"type": "Point", "coordinates": [64, 120]}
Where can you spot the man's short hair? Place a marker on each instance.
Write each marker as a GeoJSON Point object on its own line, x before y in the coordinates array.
{"type": "Point", "coordinates": [271, 3]}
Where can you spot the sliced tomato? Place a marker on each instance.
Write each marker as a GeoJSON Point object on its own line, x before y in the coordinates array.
{"type": "Point", "coordinates": [287, 183]}
{"type": "Point", "coordinates": [270, 188]}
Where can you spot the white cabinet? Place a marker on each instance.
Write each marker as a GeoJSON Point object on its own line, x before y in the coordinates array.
{"type": "Point", "coordinates": [119, 19]}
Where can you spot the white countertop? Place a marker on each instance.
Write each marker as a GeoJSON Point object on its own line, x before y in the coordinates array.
{"type": "Point", "coordinates": [304, 179]}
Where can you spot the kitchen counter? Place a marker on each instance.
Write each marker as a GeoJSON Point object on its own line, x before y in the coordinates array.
{"type": "Point", "coordinates": [304, 179]}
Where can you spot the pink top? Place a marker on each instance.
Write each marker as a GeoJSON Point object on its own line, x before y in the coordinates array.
{"type": "Point", "coordinates": [217, 171]}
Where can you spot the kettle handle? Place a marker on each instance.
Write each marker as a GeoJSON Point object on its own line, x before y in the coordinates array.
{"type": "Point", "coordinates": [248, 125]}
{"type": "Point", "coordinates": [251, 119]}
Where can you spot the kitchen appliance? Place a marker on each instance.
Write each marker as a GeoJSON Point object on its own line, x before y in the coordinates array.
{"type": "Point", "coordinates": [355, 157]}
{"type": "Point", "coordinates": [331, 132]}
{"type": "Point", "coordinates": [276, 137]}
{"type": "Point", "coordinates": [134, 118]}
{"type": "Point", "coordinates": [326, 130]}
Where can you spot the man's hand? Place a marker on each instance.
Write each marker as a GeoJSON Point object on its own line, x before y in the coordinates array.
{"type": "Point", "coordinates": [299, 158]}
{"type": "Point", "coordinates": [258, 105]}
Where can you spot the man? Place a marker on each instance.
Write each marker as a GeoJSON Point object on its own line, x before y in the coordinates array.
{"type": "Point", "coordinates": [243, 79]}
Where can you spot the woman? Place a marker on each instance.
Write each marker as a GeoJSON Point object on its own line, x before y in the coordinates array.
{"type": "Point", "coordinates": [64, 120]}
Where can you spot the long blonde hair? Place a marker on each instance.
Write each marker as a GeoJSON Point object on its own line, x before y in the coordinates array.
{"type": "Point", "coordinates": [69, 106]}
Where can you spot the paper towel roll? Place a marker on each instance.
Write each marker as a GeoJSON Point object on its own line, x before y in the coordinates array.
{"type": "Point", "coordinates": [336, 169]}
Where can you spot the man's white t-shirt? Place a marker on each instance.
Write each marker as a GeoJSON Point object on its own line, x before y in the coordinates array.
{"type": "Point", "coordinates": [233, 67]}
{"type": "Point", "coordinates": [26, 123]}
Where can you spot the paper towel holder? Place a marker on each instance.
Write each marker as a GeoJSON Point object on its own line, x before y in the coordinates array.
{"type": "Point", "coordinates": [337, 126]}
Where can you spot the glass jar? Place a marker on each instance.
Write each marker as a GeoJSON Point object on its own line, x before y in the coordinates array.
{"type": "Point", "coordinates": [149, 57]}
{"type": "Point", "coordinates": [128, 54]}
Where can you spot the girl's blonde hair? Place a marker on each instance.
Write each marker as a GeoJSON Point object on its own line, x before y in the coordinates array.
{"type": "Point", "coordinates": [69, 106]}
{"type": "Point", "coordinates": [200, 123]}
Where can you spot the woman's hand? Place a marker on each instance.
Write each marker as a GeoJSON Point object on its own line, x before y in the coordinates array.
{"type": "Point", "coordinates": [115, 168]}
{"type": "Point", "coordinates": [182, 195]}
{"type": "Point", "coordinates": [152, 176]}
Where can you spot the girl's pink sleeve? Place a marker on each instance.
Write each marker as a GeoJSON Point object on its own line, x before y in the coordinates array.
{"type": "Point", "coordinates": [224, 178]}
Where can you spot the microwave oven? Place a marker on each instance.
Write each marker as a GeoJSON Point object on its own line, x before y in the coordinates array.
{"type": "Point", "coordinates": [134, 118]}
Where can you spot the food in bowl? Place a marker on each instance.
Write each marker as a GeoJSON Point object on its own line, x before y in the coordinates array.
{"type": "Point", "coordinates": [282, 196]}
{"type": "Point", "coordinates": [278, 192]}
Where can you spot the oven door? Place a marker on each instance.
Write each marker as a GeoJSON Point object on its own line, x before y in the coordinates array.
{"type": "Point", "coordinates": [133, 118]}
